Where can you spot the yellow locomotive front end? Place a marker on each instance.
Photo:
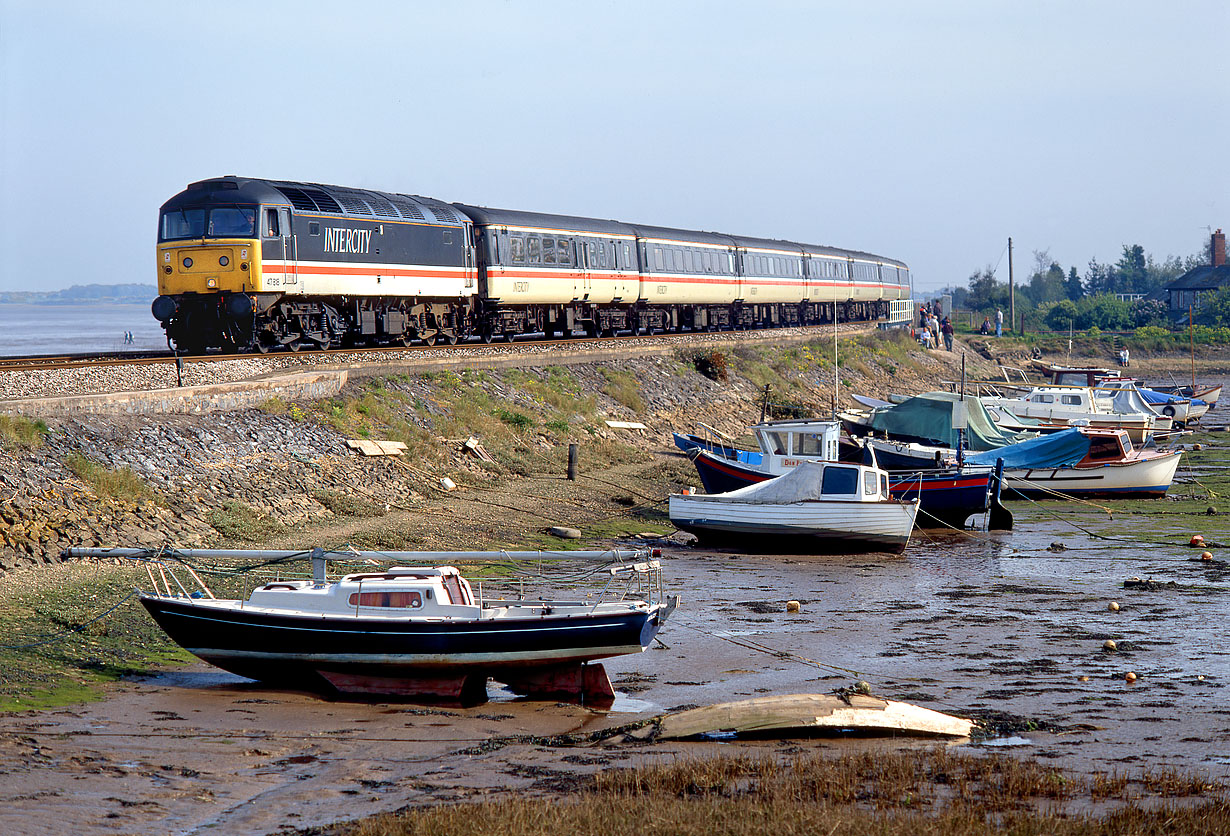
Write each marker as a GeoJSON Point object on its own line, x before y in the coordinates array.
{"type": "Point", "coordinates": [209, 266]}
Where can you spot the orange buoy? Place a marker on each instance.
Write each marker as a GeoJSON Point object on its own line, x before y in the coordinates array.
{"type": "Point", "coordinates": [1113, 606]}
{"type": "Point", "coordinates": [1206, 555]}
{"type": "Point", "coordinates": [1109, 644]}
{"type": "Point", "coordinates": [1196, 541]}
{"type": "Point", "coordinates": [1129, 676]}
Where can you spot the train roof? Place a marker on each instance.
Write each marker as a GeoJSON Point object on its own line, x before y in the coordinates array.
{"type": "Point", "coordinates": [542, 220]}
{"type": "Point", "coordinates": [317, 198]}
{"type": "Point", "coordinates": [690, 236]}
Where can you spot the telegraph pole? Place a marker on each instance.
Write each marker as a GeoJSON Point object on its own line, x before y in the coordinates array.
{"type": "Point", "coordinates": [1011, 292]}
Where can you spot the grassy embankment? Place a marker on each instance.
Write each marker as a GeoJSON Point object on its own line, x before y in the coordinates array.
{"type": "Point", "coordinates": [935, 792]}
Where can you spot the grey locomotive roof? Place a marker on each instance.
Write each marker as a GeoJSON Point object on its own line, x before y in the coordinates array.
{"type": "Point", "coordinates": [318, 198]}
{"type": "Point", "coordinates": [512, 217]}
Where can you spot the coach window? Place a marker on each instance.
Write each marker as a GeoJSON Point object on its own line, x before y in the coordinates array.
{"type": "Point", "coordinates": [548, 250]}
{"type": "Point", "coordinates": [563, 251]}
{"type": "Point", "coordinates": [677, 255]}
{"type": "Point", "coordinates": [657, 258]}
{"type": "Point", "coordinates": [271, 224]}
{"type": "Point", "coordinates": [516, 249]}
{"type": "Point", "coordinates": [533, 250]}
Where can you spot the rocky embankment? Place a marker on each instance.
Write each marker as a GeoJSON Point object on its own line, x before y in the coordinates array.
{"type": "Point", "coordinates": [207, 480]}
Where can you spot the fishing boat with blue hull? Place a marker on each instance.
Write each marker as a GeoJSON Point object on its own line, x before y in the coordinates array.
{"type": "Point", "coordinates": [946, 497]}
{"type": "Point", "coordinates": [414, 631]}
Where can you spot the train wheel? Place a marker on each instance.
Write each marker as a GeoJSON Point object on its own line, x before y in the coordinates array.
{"type": "Point", "coordinates": [295, 345]}
{"type": "Point", "coordinates": [262, 346]}
{"type": "Point", "coordinates": [488, 337]}
{"type": "Point", "coordinates": [429, 341]}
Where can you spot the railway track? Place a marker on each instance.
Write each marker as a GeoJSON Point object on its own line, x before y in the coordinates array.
{"type": "Point", "coordinates": [311, 357]}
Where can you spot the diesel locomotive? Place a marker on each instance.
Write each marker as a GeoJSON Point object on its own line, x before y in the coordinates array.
{"type": "Point", "coordinates": [250, 264]}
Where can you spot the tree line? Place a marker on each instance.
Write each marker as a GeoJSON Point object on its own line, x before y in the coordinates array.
{"type": "Point", "coordinates": [1062, 299]}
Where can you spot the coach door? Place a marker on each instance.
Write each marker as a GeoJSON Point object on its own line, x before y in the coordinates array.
{"type": "Point", "coordinates": [289, 252]}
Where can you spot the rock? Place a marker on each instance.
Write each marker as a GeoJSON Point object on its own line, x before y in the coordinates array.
{"type": "Point", "coordinates": [564, 532]}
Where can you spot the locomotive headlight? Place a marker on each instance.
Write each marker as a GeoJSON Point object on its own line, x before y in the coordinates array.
{"type": "Point", "coordinates": [243, 265]}
{"type": "Point", "coordinates": [187, 262]}
{"type": "Point", "coordinates": [211, 283]}
{"type": "Point", "coordinates": [167, 269]}
{"type": "Point", "coordinates": [223, 261]}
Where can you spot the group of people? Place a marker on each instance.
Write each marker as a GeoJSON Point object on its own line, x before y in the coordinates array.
{"type": "Point", "coordinates": [128, 338]}
{"type": "Point", "coordinates": [931, 328]}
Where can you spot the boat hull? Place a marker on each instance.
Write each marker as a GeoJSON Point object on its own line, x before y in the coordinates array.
{"type": "Point", "coordinates": [1148, 478]}
{"type": "Point", "coordinates": [946, 498]}
{"type": "Point", "coordinates": [308, 649]}
{"type": "Point", "coordinates": [798, 527]}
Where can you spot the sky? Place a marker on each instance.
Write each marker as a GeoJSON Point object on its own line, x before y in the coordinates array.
{"type": "Point", "coordinates": [928, 132]}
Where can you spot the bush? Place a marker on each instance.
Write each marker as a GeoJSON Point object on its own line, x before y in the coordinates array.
{"type": "Point", "coordinates": [712, 365]}
{"type": "Point", "coordinates": [514, 419]}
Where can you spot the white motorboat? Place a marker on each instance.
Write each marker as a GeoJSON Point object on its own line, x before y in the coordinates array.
{"type": "Point", "coordinates": [1060, 407]}
{"type": "Point", "coordinates": [815, 507]}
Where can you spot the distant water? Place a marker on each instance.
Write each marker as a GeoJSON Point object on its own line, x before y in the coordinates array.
{"type": "Point", "coordinates": [65, 329]}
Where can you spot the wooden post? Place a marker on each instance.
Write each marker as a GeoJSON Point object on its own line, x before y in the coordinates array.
{"type": "Point", "coordinates": [572, 462]}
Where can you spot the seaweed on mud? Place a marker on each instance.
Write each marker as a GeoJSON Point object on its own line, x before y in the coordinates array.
{"type": "Point", "coordinates": [992, 723]}
{"type": "Point", "coordinates": [1017, 589]}
{"type": "Point", "coordinates": [1017, 668]}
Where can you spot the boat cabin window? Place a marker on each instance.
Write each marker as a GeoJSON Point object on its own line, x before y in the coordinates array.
{"type": "Point", "coordinates": [1071, 400]}
{"type": "Point", "coordinates": [1104, 447]}
{"type": "Point", "coordinates": [809, 444]}
{"type": "Point", "coordinates": [399, 598]}
{"type": "Point", "coordinates": [1041, 398]}
{"type": "Point", "coordinates": [839, 480]}
{"type": "Point", "coordinates": [884, 485]}
{"type": "Point", "coordinates": [870, 483]}
{"type": "Point", "coordinates": [779, 443]}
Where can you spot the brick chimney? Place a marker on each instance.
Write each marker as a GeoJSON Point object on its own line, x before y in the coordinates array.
{"type": "Point", "coordinates": [1219, 248]}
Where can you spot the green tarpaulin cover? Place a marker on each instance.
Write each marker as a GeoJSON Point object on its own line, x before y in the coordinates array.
{"type": "Point", "coordinates": [928, 418]}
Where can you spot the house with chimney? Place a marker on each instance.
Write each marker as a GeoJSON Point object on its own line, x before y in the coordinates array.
{"type": "Point", "coordinates": [1189, 290]}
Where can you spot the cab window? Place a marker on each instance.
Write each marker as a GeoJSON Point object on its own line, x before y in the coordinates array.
{"type": "Point", "coordinates": [183, 223]}
{"type": "Point", "coordinates": [271, 224]}
{"type": "Point", "coordinates": [231, 221]}
{"type": "Point", "coordinates": [839, 480]}
{"type": "Point", "coordinates": [870, 483]}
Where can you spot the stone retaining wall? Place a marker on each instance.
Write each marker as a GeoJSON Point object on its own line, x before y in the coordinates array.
{"type": "Point", "coordinates": [219, 397]}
